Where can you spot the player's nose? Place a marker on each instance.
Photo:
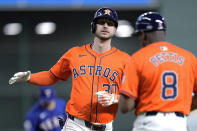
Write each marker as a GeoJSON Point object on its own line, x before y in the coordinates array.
{"type": "Point", "coordinates": [105, 24]}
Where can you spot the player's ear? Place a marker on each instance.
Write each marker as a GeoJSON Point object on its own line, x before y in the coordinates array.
{"type": "Point", "coordinates": [144, 36]}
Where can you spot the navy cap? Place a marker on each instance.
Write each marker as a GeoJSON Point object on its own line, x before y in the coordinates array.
{"type": "Point", "coordinates": [150, 21]}
{"type": "Point", "coordinates": [47, 93]}
{"type": "Point", "coordinates": [106, 13]}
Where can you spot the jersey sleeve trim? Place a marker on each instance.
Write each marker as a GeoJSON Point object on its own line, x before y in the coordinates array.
{"type": "Point", "coordinates": [127, 94]}
{"type": "Point", "coordinates": [54, 75]}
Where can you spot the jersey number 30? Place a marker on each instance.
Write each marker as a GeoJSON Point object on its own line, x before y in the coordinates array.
{"type": "Point", "coordinates": [169, 81]}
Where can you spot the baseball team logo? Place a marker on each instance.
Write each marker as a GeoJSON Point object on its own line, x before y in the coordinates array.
{"type": "Point", "coordinates": [107, 12]}
{"type": "Point", "coordinates": [163, 48]}
{"type": "Point", "coordinates": [48, 93]}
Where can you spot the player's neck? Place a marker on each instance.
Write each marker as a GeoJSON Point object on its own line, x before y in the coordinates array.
{"type": "Point", "coordinates": [101, 46]}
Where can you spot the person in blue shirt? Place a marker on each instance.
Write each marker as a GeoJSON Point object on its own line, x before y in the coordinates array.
{"type": "Point", "coordinates": [46, 113]}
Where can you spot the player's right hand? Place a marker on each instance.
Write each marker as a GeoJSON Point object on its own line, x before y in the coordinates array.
{"type": "Point", "coordinates": [20, 77]}
{"type": "Point", "coordinates": [107, 99]}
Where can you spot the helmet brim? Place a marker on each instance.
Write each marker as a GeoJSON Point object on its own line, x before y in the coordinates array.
{"type": "Point", "coordinates": [106, 17]}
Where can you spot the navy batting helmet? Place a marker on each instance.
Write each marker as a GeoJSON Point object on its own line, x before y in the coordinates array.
{"type": "Point", "coordinates": [104, 13]}
{"type": "Point", "coordinates": [150, 21]}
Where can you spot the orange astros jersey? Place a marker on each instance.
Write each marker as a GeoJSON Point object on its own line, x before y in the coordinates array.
{"type": "Point", "coordinates": [91, 72]}
{"type": "Point", "coordinates": [161, 77]}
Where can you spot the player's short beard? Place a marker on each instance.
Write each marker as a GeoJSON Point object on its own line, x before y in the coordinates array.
{"type": "Point", "coordinates": [45, 104]}
{"type": "Point", "coordinates": [103, 38]}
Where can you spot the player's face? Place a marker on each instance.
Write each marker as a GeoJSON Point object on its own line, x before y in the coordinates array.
{"type": "Point", "coordinates": [45, 104]}
{"type": "Point", "coordinates": [105, 29]}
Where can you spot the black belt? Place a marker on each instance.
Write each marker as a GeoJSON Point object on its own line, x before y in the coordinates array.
{"type": "Point", "coordinates": [100, 127]}
{"type": "Point", "coordinates": [154, 113]}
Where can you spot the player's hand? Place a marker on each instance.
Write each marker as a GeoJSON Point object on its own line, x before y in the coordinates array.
{"type": "Point", "coordinates": [20, 77]}
{"type": "Point", "coordinates": [106, 99]}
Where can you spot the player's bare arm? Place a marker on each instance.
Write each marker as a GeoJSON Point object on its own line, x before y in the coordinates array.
{"type": "Point", "coordinates": [126, 104]}
{"type": "Point", "coordinates": [194, 103]}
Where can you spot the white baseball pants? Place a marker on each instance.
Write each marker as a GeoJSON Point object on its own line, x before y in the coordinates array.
{"type": "Point", "coordinates": [160, 122]}
{"type": "Point", "coordinates": [79, 125]}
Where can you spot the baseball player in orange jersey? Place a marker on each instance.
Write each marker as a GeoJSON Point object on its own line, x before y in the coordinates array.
{"type": "Point", "coordinates": [159, 79]}
{"type": "Point", "coordinates": [96, 69]}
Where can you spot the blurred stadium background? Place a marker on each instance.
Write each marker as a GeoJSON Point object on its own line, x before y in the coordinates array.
{"type": "Point", "coordinates": [34, 34]}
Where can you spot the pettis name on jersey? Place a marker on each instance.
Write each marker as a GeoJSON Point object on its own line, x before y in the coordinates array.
{"type": "Point", "coordinates": [162, 57]}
